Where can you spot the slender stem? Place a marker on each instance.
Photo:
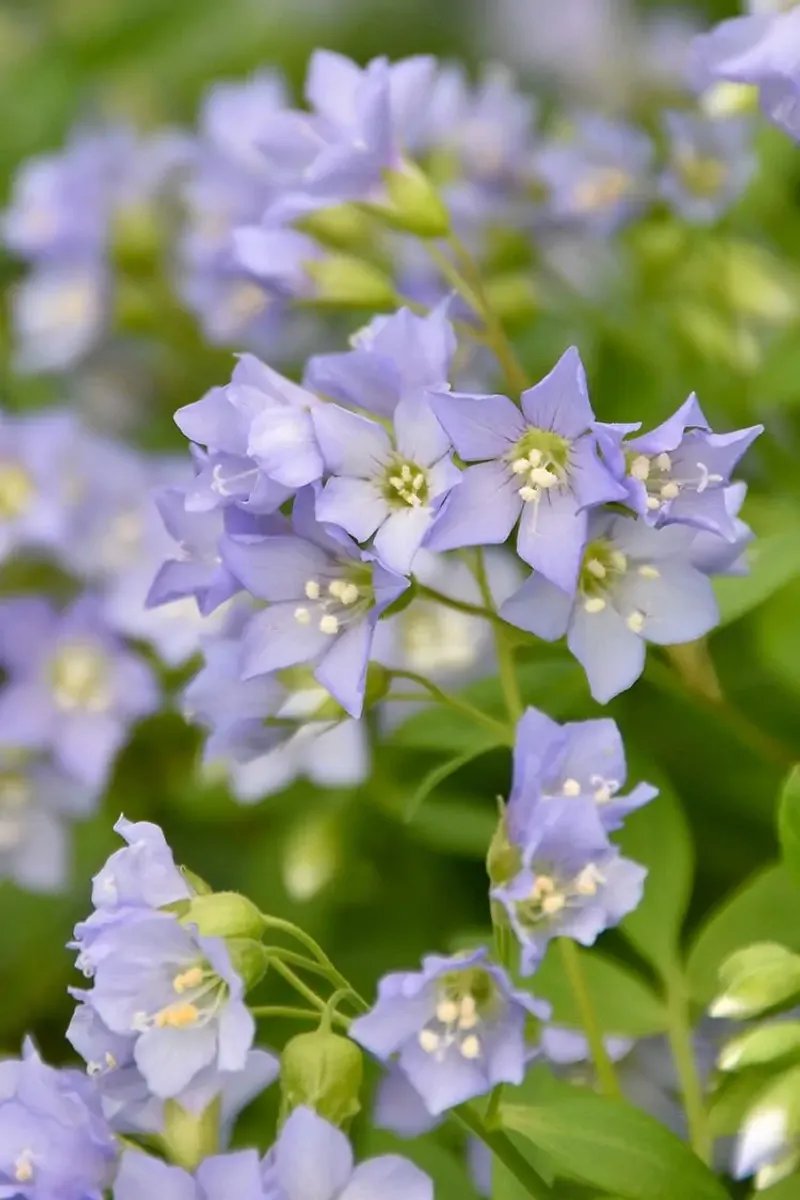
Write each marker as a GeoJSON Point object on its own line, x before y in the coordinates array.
{"type": "Point", "coordinates": [296, 960]}
{"type": "Point", "coordinates": [496, 334]}
{"type": "Point", "coordinates": [295, 1014]}
{"type": "Point", "coordinates": [505, 652]}
{"type": "Point", "coordinates": [503, 1148]}
{"type": "Point", "coordinates": [498, 728]}
{"type": "Point", "coordinates": [300, 935]}
{"type": "Point", "coordinates": [297, 983]}
{"type": "Point", "coordinates": [594, 1035]}
{"type": "Point", "coordinates": [473, 610]}
{"type": "Point", "coordinates": [680, 1039]}
{"type": "Point", "coordinates": [493, 1107]}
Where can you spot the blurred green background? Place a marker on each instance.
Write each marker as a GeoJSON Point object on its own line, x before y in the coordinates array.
{"type": "Point", "coordinates": [375, 889]}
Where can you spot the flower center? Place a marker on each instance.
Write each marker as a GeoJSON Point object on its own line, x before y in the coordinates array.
{"type": "Point", "coordinates": [702, 175]}
{"type": "Point", "coordinates": [539, 460]}
{"type": "Point", "coordinates": [551, 895]}
{"type": "Point", "coordinates": [16, 490]}
{"type": "Point", "coordinates": [80, 678]}
{"type": "Point", "coordinates": [661, 485]}
{"type": "Point", "coordinates": [601, 788]}
{"type": "Point", "coordinates": [463, 1000]}
{"type": "Point", "coordinates": [603, 187]}
{"type": "Point", "coordinates": [338, 601]}
{"type": "Point", "coordinates": [604, 565]}
{"type": "Point", "coordinates": [405, 485]}
{"type": "Point", "coordinates": [15, 796]}
{"type": "Point", "coordinates": [200, 993]}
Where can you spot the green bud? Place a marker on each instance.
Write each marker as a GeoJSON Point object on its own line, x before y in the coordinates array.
{"type": "Point", "coordinates": [513, 296]}
{"type": "Point", "coordinates": [758, 978]}
{"type": "Point", "coordinates": [311, 855]}
{"type": "Point", "coordinates": [504, 860]}
{"type": "Point", "coordinates": [342, 227]}
{"type": "Point", "coordinates": [759, 1046]}
{"type": "Point", "coordinates": [323, 1071]}
{"type": "Point", "coordinates": [249, 960]}
{"type": "Point", "coordinates": [401, 603]}
{"type": "Point", "coordinates": [133, 306]}
{"type": "Point", "coordinates": [771, 1129]}
{"type": "Point", "coordinates": [189, 1137]}
{"type": "Point", "coordinates": [346, 282]}
{"type": "Point", "coordinates": [196, 883]}
{"type": "Point", "coordinates": [136, 239]}
{"type": "Point", "coordinates": [224, 914]}
{"type": "Point", "coordinates": [412, 203]}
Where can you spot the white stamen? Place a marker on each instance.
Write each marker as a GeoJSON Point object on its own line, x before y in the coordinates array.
{"type": "Point", "coordinates": [470, 1047]}
{"type": "Point", "coordinates": [418, 482]}
{"type": "Point", "coordinates": [543, 477]}
{"type": "Point", "coordinates": [469, 1013]}
{"type": "Point", "coordinates": [589, 880]}
{"type": "Point", "coordinates": [429, 1041]}
{"type": "Point", "coordinates": [653, 503]}
{"type": "Point", "coordinates": [603, 794]}
{"type": "Point", "coordinates": [664, 462]}
{"type": "Point", "coordinates": [706, 477]}
{"type": "Point", "coordinates": [619, 560]}
{"type": "Point", "coordinates": [447, 1011]}
{"type": "Point", "coordinates": [670, 490]}
{"type": "Point", "coordinates": [405, 473]}
{"type": "Point", "coordinates": [396, 482]}
{"type": "Point", "coordinates": [571, 788]}
{"type": "Point", "coordinates": [349, 594]}
{"type": "Point", "coordinates": [596, 568]}
{"type": "Point", "coordinates": [302, 616]}
{"type": "Point", "coordinates": [535, 457]}
{"type": "Point", "coordinates": [553, 904]}
{"type": "Point", "coordinates": [543, 886]}
{"type": "Point", "coordinates": [595, 604]}
{"type": "Point", "coordinates": [336, 587]}
{"type": "Point", "coordinates": [23, 1167]}
{"type": "Point", "coordinates": [312, 589]}
{"type": "Point", "coordinates": [528, 493]}
{"type": "Point", "coordinates": [635, 621]}
{"type": "Point", "coordinates": [640, 468]}
{"type": "Point", "coordinates": [649, 572]}
{"type": "Point", "coordinates": [520, 466]}
{"type": "Point", "coordinates": [329, 624]}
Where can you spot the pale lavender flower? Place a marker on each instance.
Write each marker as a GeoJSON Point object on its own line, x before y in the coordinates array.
{"type": "Point", "coordinates": [392, 357]}
{"type": "Point", "coordinates": [73, 688]}
{"type": "Point", "coordinates": [538, 465]}
{"type": "Point", "coordinates": [312, 1160]}
{"type": "Point", "coordinates": [54, 1140]}
{"type": "Point", "coordinates": [709, 164]}
{"type": "Point", "coordinates": [716, 555]}
{"type": "Point", "coordinates": [385, 488]}
{"type": "Point", "coordinates": [578, 759]}
{"type": "Point", "coordinates": [325, 597]}
{"type": "Point", "coordinates": [457, 1027]}
{"type": "Point", "coordinates": [142, 874]}
{"type": "Point", "coordinates": [573, 882]}
{"type": "Point", "coordinates": [37, 804]}
{"type": "Point", "coordinates": [60, 311]}
{"type": "Point", "coordinates": [636, 584]}
{"type": "Point", "coordinates": [35, 451]}
{"type": "Point", "coordinates": [217, 1178]}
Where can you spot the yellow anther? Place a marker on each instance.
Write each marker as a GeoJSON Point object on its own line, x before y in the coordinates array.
{"type": "Point", "coordinates": [635, 621]}
{"type": "Point", "coordinates": [188, 979]}
{"type": "Point", "coordinates": [418, 482]}
{"type": "Point", "coordinates": [470, 1048]}
{"type": "Point", "coordinates": [553, 904]}
{"type": "Point", "coordinates": [302, 616]}
{"type": "Point", "coordinates": [595, 604]}
{"type": "Point", "coordinates": [447, 1011]}
{"type": "Point", "coordinates": [543, 477]}
{"type": "Point", "coordinates": [520, 466]}
{"type": "Point", "coordinates": [640, 467]}
{"type": "Point", "coordinates": [312, 589]}
{"type": "Point", "coordinates": [528, 493]}
{"type": "Point", "coordinates": [571, 788]}
{"type": "Point", "coordinates": [329, 624]}
{"type": "Point", "coordinates": [335, 588]}
{"type": "Point", "coordinates": [653, 503]}
{"type": "Point", "coordinates": [349, 594]}
{"type": "Point", "coordinates": [16, 490]}
{"type": "Point", "coordinates": [396, 482]}
{"type": "Point", "coordinates": [23, 1168]}
{"type": "Point", "coordinates": [664, 462]}
{"type": "Point", "coordinates": [619, 560]}
{"type": "Point", "coordinates": [543, 886]}
{"type": "Point", "coordinates": [429, 1041]}
{"type": "Point", "coordinates": [648, 572]}
{"type": "Point", "coordinates": [596, 568]}
{"type": "Point", "coordinates": [405, 473]}
{"type": "Point", "coordinates": [177, 1016]}
{"type": "Point", "coordinates": [535, 457]}
{"type": "Point", "coordinates": [588, 881]}
{"type": "Point", "coordinates": [670, 490]}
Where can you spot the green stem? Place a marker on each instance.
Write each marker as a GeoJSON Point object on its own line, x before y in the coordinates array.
{"type": "Point", "coordinates": [297, 983]}
{"type": "Point", "coordinates": [296, 1014]}
{"type": "Point", "coordinates": [335, 976]}
{"type": "Point", "coordinates": [503, 1148]}
{"type": "Point", "coordinates": [594, 1035]}
{"type": "Point", "coordinates": [504, 651]}
{"type": "Point", "coordinates": [498, 728]}
{"type": "Point", "coordinates": [496, 334]}
{"type": "Point", "coordinates": [680, 1039]}
{"type": "Point", "coordinates": [472, 610]}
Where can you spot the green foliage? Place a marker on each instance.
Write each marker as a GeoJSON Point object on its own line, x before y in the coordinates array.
{"type": "Point", "coordinates": [789, 823]}
{"type": "Point", "coordinates": [623, 1004]}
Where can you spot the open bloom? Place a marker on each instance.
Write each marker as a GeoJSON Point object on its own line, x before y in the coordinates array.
{"type": "Point", "coordinates": [573, 882]}
{"type": "Point", "coordinates": [34, 493]}
{"type": "Point", "coordinates": [73, 690]}
{"type": "Point", "coordinates": [381, 487]}
{"type": "Point", "coordinates": [312, 1160]}
{"type": "Point", "coordinates": [636, 585]}
{"type": "Point", "coordinates": [54, 1140]}
{"type": "Point", "coordinates": [578, 759]}
{"type": "Point", "coordinates": [709, 165]}
{"type": "Point", "coordinates": [457, 1027]}
{"type": "Point", "coordinates": [325, 597]}
{"type": "Point", "coordinates": [538, 465]}
{"type": "Point", "coordinates": [217, 1178]}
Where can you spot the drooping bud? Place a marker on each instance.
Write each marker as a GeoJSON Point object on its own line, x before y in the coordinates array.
{"type": "Point", "coordinates": [412, 203]}
{"type": "Point", "coordinates": [190, 1137]}
{"type": "Point", "coordinates": [322, 1070]}
{"type": "Point", "coordinates": [761, 977]}
{"type": "Point", "coordinates": [224, 914]}
{"type": "Point", "coordinates": [342, 227]}
{"type": "Point", "coordinates": [503, 860]}
{"type": "Point", "coordinates": [341, 281]}
{"type": "Point", "coordinates": [764, 1045]}
{"type": "Point", "coordinates": [249, 960]}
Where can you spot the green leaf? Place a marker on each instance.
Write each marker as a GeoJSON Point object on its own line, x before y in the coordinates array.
{"type": "Point", "coordinates": [438, 775]}
{"type": "Point", "coordinates": [622, 1002]}
{"type": "Point", "coordinates": [789, 822]}
{"type": "Point", "coordinates": [658, 837]}
{"type": "Point", "coordinates": [455, 827]}
{"type": "Point", "coordinates": [443, 729]}
{"type": "Point", "coordinates": [734, 1097]}
{"type": "Point", "coordinates": [774, 561]}
{"type": "Point", "coordinates": [767, 907]}
{"type": "Point", "coordinates": [614, 1146]}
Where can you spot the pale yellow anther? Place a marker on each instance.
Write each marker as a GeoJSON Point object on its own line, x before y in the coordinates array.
{"type": "Point", "coordinates": [603, 794]}
{"type": "Point", "coordinates": [648, 572]}
{"type": "Point", "coordinates": [335, 588]}
{"type": "Point", "coordinates": [653, 503]}
{"type": "Point", "coordinates": [396, 482]}
{"type": "Point", "coordinates": [349, 594]}
{"type": "Point", "coordinates": [595, 604]}
{"type": "Point", "coordinates": [302, 616]}
{"type": "Point", "coordinates": [16, 490]}
{"type": "Point", "coordinates": [429, 1041]}
{"type": "Point", "coordinates": [23, 1168]}
{"type": "Point", "coordinates": [418, 482]}
{"type": "Point", "coordinates": [406, 473]}
{"type": "Point", "coordinates": [470, 1048]}
{"type": "Point", "coordinates": [543, 477]}
{"type": "Point", "coordinates": [177, 1016]}
{"type": "Point", "coordinates": [664, 462]}
{"type": "Point", "coordinates": [469, 1013]}
{"type": "Point", "coordinates": [543, 886]}
{"type": "Point", "coordinates": [535, 457]}
{"type": "Point", "coordinates": [188, 980]}
{"type": "Point", "coordinates": [571, 788]}
{"type": "Point", "coordinates": [640, 467]}
{"type": "Point", "coordinates": [520, 466]}
{"type": "Point", "coordinates": [596, 568]}
{"type": "Point", "coordinates": [329, 624]}
{"type": "Point", "coordinates": [619, 560]}
{"type": "Point", "coordinates": [528, 493]}
{"type": "Point", "coordinates": [447, 1011]}
{"type": "Point", "coordinates": [635, 621]}
{"type": "Point", "coordinates": [111, 1061]}
{"type": "Point", "coordinates": [413, 500]}
{"type": "Point", "coordinates": [587, 883]}
{"type": "Point", "coordinates": [312, 589]}
{"type": "Point", "coordinates": [670, 490]}
{"type": "Point", "coordinates": [553, 904]}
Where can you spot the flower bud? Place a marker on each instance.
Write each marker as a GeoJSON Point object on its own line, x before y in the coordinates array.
{"type": "Point", "coordinates": [190, 1137]}
{"type": "Point", "coordinates": [763, 1045]}
{"type": "Point", "coordinates": [503, 860]}
{"type": "Point", "coordinates": [322, 1070]}
{"type": "Point", "coordinates": [249, 960]}
{"type": "Point", "coordinates": [413, 204]}
{"type": "Point", "coordinates": [513, 296]}
{"type": "Point", "coordinates": [341, 281]}
{"type": "Point", "coordinates": [760, 977]}
{"type": "Point", "coordinates": [224, 914]}
{"type": "Point", "coordinates": [768, 1141]}
{"type": "Point", "coordinates": [342, 227]}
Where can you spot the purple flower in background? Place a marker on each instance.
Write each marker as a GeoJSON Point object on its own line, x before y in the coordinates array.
{"type": "Point", "coordinates": [172, 989]}
{"type": "Point", "coordinates": [636, 585]}
{"type": "Point", "coordinates": [458, 1028]}
{"type": "Point", "coordinates": [573, 882]}
{"type": "Point", "coordinates": [73, 688]}
{"type": "Point", "coordinates": [392, 357]}
{"type": "Point", "coordinates": [312, 1160]}
{"type": "Point", "coordinates": [54, 1140]}
{"type": "Point", "coordinates": [34, 496]}
{"type": "Point", "coordinates": [60, 311]}
{"type": "Point", "coordinates": [716, 555]}
{"type": "Point", "coordinates": [600, 178]}
{"type": "Point", "coordinates": [217, 1178]}
{"type": "Point", "coordinates": [578, 759]}
{"type": "Point", "coordinates": [762, 49]}
{"type": "Point", "coordinates": [37, 803]}
{"type": "Point", "coordinates": [710, 163]}
{"type": "Point", "coordinates": [260, 439]}
{"type": "Point", "coordinates": [277, 258]}
{"type": "Point", "coordinates": [679, 471]}
{"type": "Point", "coordinates": [381, 487]}
{"type": "Point", "coordinates": [325, 597]}
{"type": "Point", "coordinates": [538, 465]}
